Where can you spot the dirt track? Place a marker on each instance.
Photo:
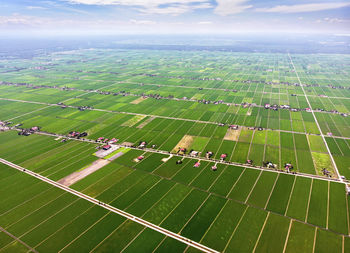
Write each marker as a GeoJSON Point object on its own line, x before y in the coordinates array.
{"type": "Point", "coordinates": [76, 176]}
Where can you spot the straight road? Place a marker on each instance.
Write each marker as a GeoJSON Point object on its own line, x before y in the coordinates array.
{"type": "Point", "coordinates": [318, 125]}
{"type": "Point", "coordinates": [157, 116]}
{"type": "Point", "coordinates": [113, 209]}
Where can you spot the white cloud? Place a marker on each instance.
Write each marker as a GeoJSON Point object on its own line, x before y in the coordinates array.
{"type": "Point", "coordinates": [229, 7]}
{"type": "Point", "coordinates": [335, 20]}
{"type": "Point", "coordinates": [303, 7]}
{"type": "Point", "coordinates": [171, 7]}
{"type": "Point", "coordinates": [135, 2]}
{"type": "Point", "coordinates": [142, 22]}
{"type": "Point", "coordinates": [204, 23]}
{"type": "Point", "coordinates": [35, 8]}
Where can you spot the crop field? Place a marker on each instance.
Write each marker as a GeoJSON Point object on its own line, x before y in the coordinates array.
{"type": "Point", "coordinates": [44, 218]}
{"type": "Point", "coordinates": [171, 100]}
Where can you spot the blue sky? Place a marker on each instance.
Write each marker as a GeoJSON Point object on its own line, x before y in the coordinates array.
{"type": "Point", "coordinates": [175, 16]}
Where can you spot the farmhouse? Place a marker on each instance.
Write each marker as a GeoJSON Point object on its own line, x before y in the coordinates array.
{"type": "Point", "coordinates": [288, 167]}
{"type": "Point", "coordinates": [181, 151]}
{"type": "Point", "coordinates": [197, 164]}
{"type": "Point", "coordinates": [194, 153]}
{"type": "Point", "coordinates": [326, 172]}
{"type": "Point", "coordinates": [34, 129]}
{"type": "Point", "coordinates": [106, 147]}
{"type": "Point", "coordinates": [270, 165]}
{"type": "Point", "coordinates": [209, 154]}
{"type": "Point", "coordinates": [223, 157]}
{"type": "Point", "coordinates": [178, 161]}
{"type": "Point", "coordinates": [139, 158]}
{"type": "Point", "coordinates": [113, 140]}
{"type": "Point", "coordinates": [142, 144]}
{"type": "Point", "coordinates": [233, 127]}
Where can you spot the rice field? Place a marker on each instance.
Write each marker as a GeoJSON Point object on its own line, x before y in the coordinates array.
{"type": "Point", "coordinates": [191, 102]}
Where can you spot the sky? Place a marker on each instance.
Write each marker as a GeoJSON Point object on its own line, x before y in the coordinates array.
{"type": "Point", "coordinates": [174, 16]}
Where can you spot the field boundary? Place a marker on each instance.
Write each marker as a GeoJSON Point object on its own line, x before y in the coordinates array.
{"type": "Point", "coordinates": [316, 121]}
{"type": "Point", "coordinates": [17, 239]}
{"type": "Point", "coordinates": [113, 209]}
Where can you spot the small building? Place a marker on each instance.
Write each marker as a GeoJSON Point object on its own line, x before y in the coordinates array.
{"type": "Point", "coordinates": [194, 153]}
{"type": "Point", "coordinates": [34, 129]}
{"type": "Point", "coordinates": [142, 144]}
{"type": "Point", "coordinates": [288, 167]}
{"type": "Point", "coordinates": [197, 164]}
{"type": "Point", "coordinates": [233, 127]}
{"type": "Point", "coordinates": [209, 154]}
{"type": "Point", "coordinates": [139, 158]}
{"type": "Point", "coordinates": [181, 151]}
{"type": "Point", "coordinates": [214, 168]}
{"type": "Point", "coordinates": [223, 156]}
{"type": "Point", "coordinates": [106, 147]}
{"type": "Point", "coordinates": [179, 162]}
{"type": "Point", "coordinates": [113, 140]}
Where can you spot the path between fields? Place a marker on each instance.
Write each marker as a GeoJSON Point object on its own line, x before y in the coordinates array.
{"type": "Point", "coordinates": [18, 240]}
{"type": "Point", "coordinates": [113, 209]}
{"type": "Point", "coordinates": [316, 121]}
{"type": "Point", "coordinates": [78, 175]}
{"type": "Point", "coordinates": [300, 174]}
{"type": "Point", "coordinates": [163, 117]}
{"type": "Point", "coordinates": [142, 97]}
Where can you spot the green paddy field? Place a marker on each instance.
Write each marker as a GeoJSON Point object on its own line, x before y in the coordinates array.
{"type": "Point", "coordinates": [159, 97]}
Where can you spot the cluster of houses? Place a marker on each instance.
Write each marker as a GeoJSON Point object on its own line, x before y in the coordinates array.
{"type": "Point", "coordinates": [85, 107]}
{"type": "Point", "coordinates": [29, 131]}
{"type": "Point", "coordinates": [76, 134]}
{"type": "Point", "coordinates": [63, 106]}
{"type": "Point", "coordinates": [106, 140]}
{"type": "Point", "coordinates": [326, 172]}
{"type": "Point", "coordinates": [331, 111]}
{"type": "Point", "coordinates": [204, 101]}
{"type": "Point", "coordinates": [269, 164]}
{"type": "Point", "coordinates": [3, 125]}
{"type": "Point", "coordinates": [236, 127]}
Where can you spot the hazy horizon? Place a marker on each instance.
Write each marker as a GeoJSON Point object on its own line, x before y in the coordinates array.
{"type": "Point", "coordinates": [111, 17]}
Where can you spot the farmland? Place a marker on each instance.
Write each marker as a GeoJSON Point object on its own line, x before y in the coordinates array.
{"type": "Point", "coordinates": [159, 106]}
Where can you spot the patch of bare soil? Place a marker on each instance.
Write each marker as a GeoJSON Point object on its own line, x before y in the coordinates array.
{"type": "Point", "coordinates": [185, 142]}
{"type": "Point", "coordinates": [232, 135]}
{"type": "Point", "coordinates": [78, 175]}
